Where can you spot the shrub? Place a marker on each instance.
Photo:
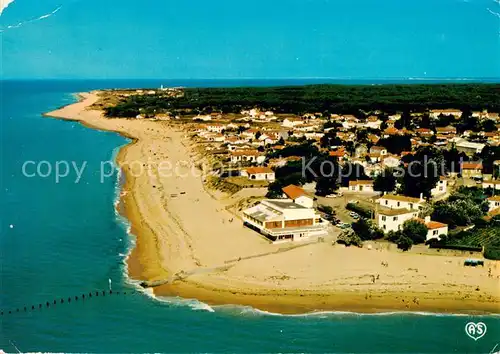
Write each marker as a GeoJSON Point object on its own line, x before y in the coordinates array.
{"type": "Point", "coordinates": [349, 237]}
{"type": "Point", "coordinates": [326, 209]}
{"type": "Point", "coordinates": [404, 243]}
{"type": "Point", "coordinates": [492, 253]}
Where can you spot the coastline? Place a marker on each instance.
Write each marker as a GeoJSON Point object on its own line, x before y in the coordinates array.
{"type": "Point", "coordinates": [169, 247]}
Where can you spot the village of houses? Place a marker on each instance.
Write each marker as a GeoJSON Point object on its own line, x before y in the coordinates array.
{"type": "Point", "coordinates": [243, 141]}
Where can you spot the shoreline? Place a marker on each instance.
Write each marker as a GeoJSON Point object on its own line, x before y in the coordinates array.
{"type": "Point", "coordinates": [167, 246]}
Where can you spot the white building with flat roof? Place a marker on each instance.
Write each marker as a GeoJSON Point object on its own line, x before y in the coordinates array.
{"type": "Point", "coordinates": [468, 147]}
{"type": "Point", "coordinates": [283, 220]}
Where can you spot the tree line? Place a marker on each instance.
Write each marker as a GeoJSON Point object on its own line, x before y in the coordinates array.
{"type": "Point", "coordinates": [344, 99]}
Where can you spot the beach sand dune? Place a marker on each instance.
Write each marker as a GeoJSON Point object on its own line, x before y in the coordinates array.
{"type": "Point", "coordinates": [186, 234]}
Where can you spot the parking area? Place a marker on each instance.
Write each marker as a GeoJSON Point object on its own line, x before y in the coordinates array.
{"type": "Point", "coordinates": [339, 203]}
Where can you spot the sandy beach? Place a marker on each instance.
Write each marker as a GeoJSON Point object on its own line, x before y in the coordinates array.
{"type": "Point", "coordinates": [186, 236]}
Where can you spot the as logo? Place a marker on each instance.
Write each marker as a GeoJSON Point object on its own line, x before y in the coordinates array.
{"type": "Point", "coordinates": [475, 330]}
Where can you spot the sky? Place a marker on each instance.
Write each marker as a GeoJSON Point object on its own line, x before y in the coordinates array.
{"type": "Point", "coordinates": [181, 39]}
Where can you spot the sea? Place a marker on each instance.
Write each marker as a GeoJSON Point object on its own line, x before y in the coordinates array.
{"type": "Point", "coordinates": [63, 248]}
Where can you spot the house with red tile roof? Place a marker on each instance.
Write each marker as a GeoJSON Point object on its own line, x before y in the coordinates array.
{"type": "Point", "coordinates": [434, 229]}
{"type": "Point", "coordinates": [339, 153]}
{"type": "Point", "coordinates": [298, 195]}
{"type": "Point", "coordinates": [424, 132]}
{"type": "Point", "coordinates": [259, 174]}
{"type": "Point", "coordinates": [446, 130]}
{"type": "Point", "coordinates": [471, 169]}
{"type": "Point", "coordinates": [494, 202]}
{"type": "Point", "coordinates": [391, 131]}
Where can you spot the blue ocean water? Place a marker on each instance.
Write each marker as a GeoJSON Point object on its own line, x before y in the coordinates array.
{"type": "Point", "coordinates": [60, 240]}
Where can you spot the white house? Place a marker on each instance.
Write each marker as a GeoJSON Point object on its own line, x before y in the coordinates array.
{"type": "Point", "coordinates": [283, 220]}
{"type": "Point", "coordinates": [314, 135]}
{"type": "Point", "coordinates": [493, 184]}
{"type": "Point", "coordinates": [494, 202]}
{"type": "Point", "coordinates": [298, 195]}
{"type": "Point", "coordinates": [435, 113]}
{"type": "Point", "coordinates": [247, 156]}
{"type": "Point", "coordinates": [434, 229]}
{"type": "Point", "coordinates": [468, 147]}
{"type": "Point", "coordinates": [373, 122]}
{"type": "Point", "coordinates": [215, 137]}
{"type": "Point", "coordinates": [291, 122]}
{"type": "Point", "coordinates": [259, 174]}
{"type": "Point", "coordinates": [306, 127]}
{"type": "Point", "coordinates": [350, 122]}
{"type": "Point", "coordinates": [379, 150]}
{"type": "Point", "coordinates": [390, 161]}
{"type": "Point", "coordinates": [393, 219]}
{"type": "Point", "coordinates": [440, 188]}
{"type": "Point", "coordinates": [361, 186]}
{"type": "Point", "coordinates": [215, 127]}
{"type": "Point", "coordinates": [394, 201]}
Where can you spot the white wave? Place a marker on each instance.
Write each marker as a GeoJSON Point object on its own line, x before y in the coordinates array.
{"type": "Point", "coordinates": [4, 4]}
{"type": "Point", "coordinates": [247, 310]}
{"type": "Point", "coordinates": [493, 12]}
{"type": "Point", "coordinates": [32, 20]}
{"type": "Point", "coordinates": [180, 302]}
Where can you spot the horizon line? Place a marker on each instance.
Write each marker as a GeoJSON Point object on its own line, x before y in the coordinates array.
{"type": "Point", "coordinates": [408, 78]}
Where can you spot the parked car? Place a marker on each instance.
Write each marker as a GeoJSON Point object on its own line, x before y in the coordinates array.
{"type": "Point", "coordinates": [334, 195]}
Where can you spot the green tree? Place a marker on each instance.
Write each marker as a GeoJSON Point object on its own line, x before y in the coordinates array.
{"type": "Point", "coordinates": [489, 125]}
{"type": "Point", "coordinates": [415, 231]}
{"type": "Point", "coordinates": [274, 190]}
{"type": "Point", "coordinates": [462, 208]}
{"type": "Point", "coordinates": [385, 181]}
{"type": "Point", "coordinates": [367, 230]}
{"type": "Point", "coordinates": [400, 239]}
{"type": "Point", "coordinates": [395, 144]}
{"type": "Point", "coordinates": [326, 186]}
{"type": "Point", "coordinates": [423, 172]}
{"type": "Point", "coordinates": [404, 121]}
